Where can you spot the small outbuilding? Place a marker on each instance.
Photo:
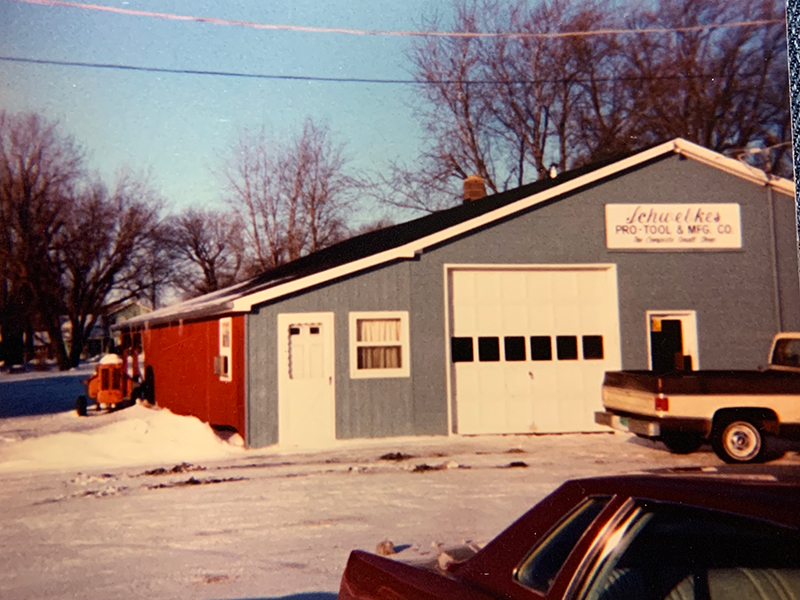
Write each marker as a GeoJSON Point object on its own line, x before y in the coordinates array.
{"type": "Point", "coordinates": [497, 316]}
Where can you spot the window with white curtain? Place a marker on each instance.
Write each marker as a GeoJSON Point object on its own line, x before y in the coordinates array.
{"type": "Point", "coordinates": [379, 344]}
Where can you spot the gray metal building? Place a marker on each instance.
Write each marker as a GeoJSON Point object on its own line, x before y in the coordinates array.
{"type": "Point", "coordinates": [501, 315]}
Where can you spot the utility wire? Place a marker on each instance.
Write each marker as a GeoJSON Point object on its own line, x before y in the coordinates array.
{"type": "Point", "coordinates": [64, 63]}
{"type": "Point", "coordinates": [377, 32]}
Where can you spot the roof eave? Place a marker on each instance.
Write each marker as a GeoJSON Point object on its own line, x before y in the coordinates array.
{"type": "Point", "coordinates": [147, 321]}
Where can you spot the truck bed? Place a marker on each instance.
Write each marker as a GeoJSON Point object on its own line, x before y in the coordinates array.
{"type": "Point", "coordinates": [692, 383]}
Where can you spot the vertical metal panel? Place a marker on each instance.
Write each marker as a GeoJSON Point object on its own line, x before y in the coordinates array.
{"type": "Point", "coordinates": [262, 382]}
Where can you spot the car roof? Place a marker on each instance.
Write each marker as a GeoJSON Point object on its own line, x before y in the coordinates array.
{"type": "Point", "coordinates": [769, 492]}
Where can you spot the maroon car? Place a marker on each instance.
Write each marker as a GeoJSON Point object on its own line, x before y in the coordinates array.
{"type": "Point", "coordinates": [727, 534]}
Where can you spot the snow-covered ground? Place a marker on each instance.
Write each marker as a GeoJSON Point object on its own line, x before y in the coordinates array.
{"type": "Point", "coordinates": [141, 503]}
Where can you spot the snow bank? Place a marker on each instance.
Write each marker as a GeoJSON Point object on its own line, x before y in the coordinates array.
{"type": "Point", "coordinates": [139, 435]}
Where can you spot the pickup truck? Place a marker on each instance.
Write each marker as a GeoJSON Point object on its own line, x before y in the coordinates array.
{"type": "Point", "coordinates": [738, 412]}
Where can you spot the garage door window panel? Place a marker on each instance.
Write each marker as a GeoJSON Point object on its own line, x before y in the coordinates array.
{"type": "Point", "coordinates": [567, 347]}
{"type": "Point", "coordinates": [379, 345]}
{"type": "Point", "coordinates": [592, 347]}
{"type": "Point", "coordinates": [514, 347]}
{"type": "Point", "coordinates": [541, 347]}
{"type": "Point", "coordinates": [489, 349]}
{"type": "Point", "coordinates": [461, 349]}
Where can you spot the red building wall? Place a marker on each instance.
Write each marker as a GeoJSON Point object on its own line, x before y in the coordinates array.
{"type": "Point", "coordinates": [182, 358]}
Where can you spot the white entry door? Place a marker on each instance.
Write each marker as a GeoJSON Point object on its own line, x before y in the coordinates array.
{"type": "Point", "coordinates": [306, 386]}
{"type": "Point", "coordinates": [529, 346]}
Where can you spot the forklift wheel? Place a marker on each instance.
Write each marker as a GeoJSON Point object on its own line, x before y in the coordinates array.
{"type": "Point", "coordinates": [80, 406]}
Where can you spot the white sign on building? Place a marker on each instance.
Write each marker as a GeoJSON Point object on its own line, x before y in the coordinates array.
{"type": "Point", "coordinates": [673, 226]}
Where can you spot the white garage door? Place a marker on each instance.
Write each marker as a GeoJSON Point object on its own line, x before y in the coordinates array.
{"type": "Point", "coordinates": [529, 346]}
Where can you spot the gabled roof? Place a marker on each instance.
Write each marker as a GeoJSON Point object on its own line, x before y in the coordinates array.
{"type": "Point", "coordinates": [405, 240]}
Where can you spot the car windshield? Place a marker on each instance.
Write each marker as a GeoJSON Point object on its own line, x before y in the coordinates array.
{"type": "Point", "coordinates": [665, 552]}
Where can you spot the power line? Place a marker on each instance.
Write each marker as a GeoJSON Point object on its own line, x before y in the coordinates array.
{"type": "Point", "coordinates": [64, 63]}
{"type": "Point", "coordinates": [378, 32]}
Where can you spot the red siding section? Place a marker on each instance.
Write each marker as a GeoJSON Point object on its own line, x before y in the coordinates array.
{"type": "Point", "coordinates": [182, 358]}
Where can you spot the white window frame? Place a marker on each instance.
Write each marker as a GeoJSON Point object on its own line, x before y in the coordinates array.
{"type": "Point", "coordinates": [226, 352]}
{"type": "Point", "coordinates": [405, 353]}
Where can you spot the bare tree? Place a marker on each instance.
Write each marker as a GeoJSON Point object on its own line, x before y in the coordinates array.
{"type": "Point", "coordinates": [98, 246]}
{"type": "Point", "coordinates": [38, 170]}
{"type": "Point", "coordinates": [155, 266]}
{"type": "Point", "coordinates": [292, 197]}
{"type": "Point", "coordinates": [723, 88]}
{"type": "Point", "coordinates": [507, 108]}
{"type": "Point", "coordinates": [209, 248]}
{"type": "Point", "coordinates": [454, 113]}
{"type": "Point", "coordinates": [318, 170]}
{"type": "Point", "coordinates": [504, 108]}
{"type": "Point", "coordinates": [69, 247]}
{"type": "Point", "coordinates": [250, 175]}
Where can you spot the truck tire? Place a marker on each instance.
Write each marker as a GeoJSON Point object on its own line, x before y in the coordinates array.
{"type": "Point", "coordinates": [680, 442]}
{"type": "Point", "coordinates": [739, 441]}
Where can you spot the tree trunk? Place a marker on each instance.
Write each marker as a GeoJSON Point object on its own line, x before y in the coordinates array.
{"type": "Point", "coordinates": [12, 347]}
{"type": "Point", "coordinates": [76, 348]}
{"type": "Point", "coordinates": [57, 346]}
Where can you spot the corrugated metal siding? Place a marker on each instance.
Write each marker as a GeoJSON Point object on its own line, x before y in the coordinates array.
{"type": "Point", "coordinates": [364, 407]}
{"type": "Point", "coordinates": [182, 357]}
{"type": "Point", "coordinates": [262, 382]}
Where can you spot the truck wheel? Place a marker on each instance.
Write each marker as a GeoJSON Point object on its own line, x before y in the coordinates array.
{"type": "Point", "coordinates": [682, 443]}
{"type": "Point", "coordinates": [739, 441]}
{"type": "Point", "coordinates": [80, 406]}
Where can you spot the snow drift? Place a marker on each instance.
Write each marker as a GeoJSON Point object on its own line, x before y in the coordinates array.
{"type": "Point", "coordinates": [137, 435]}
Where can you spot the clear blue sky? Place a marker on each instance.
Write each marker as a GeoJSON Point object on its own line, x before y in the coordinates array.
{"type": "Point", "coordinates": [175, 126]}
